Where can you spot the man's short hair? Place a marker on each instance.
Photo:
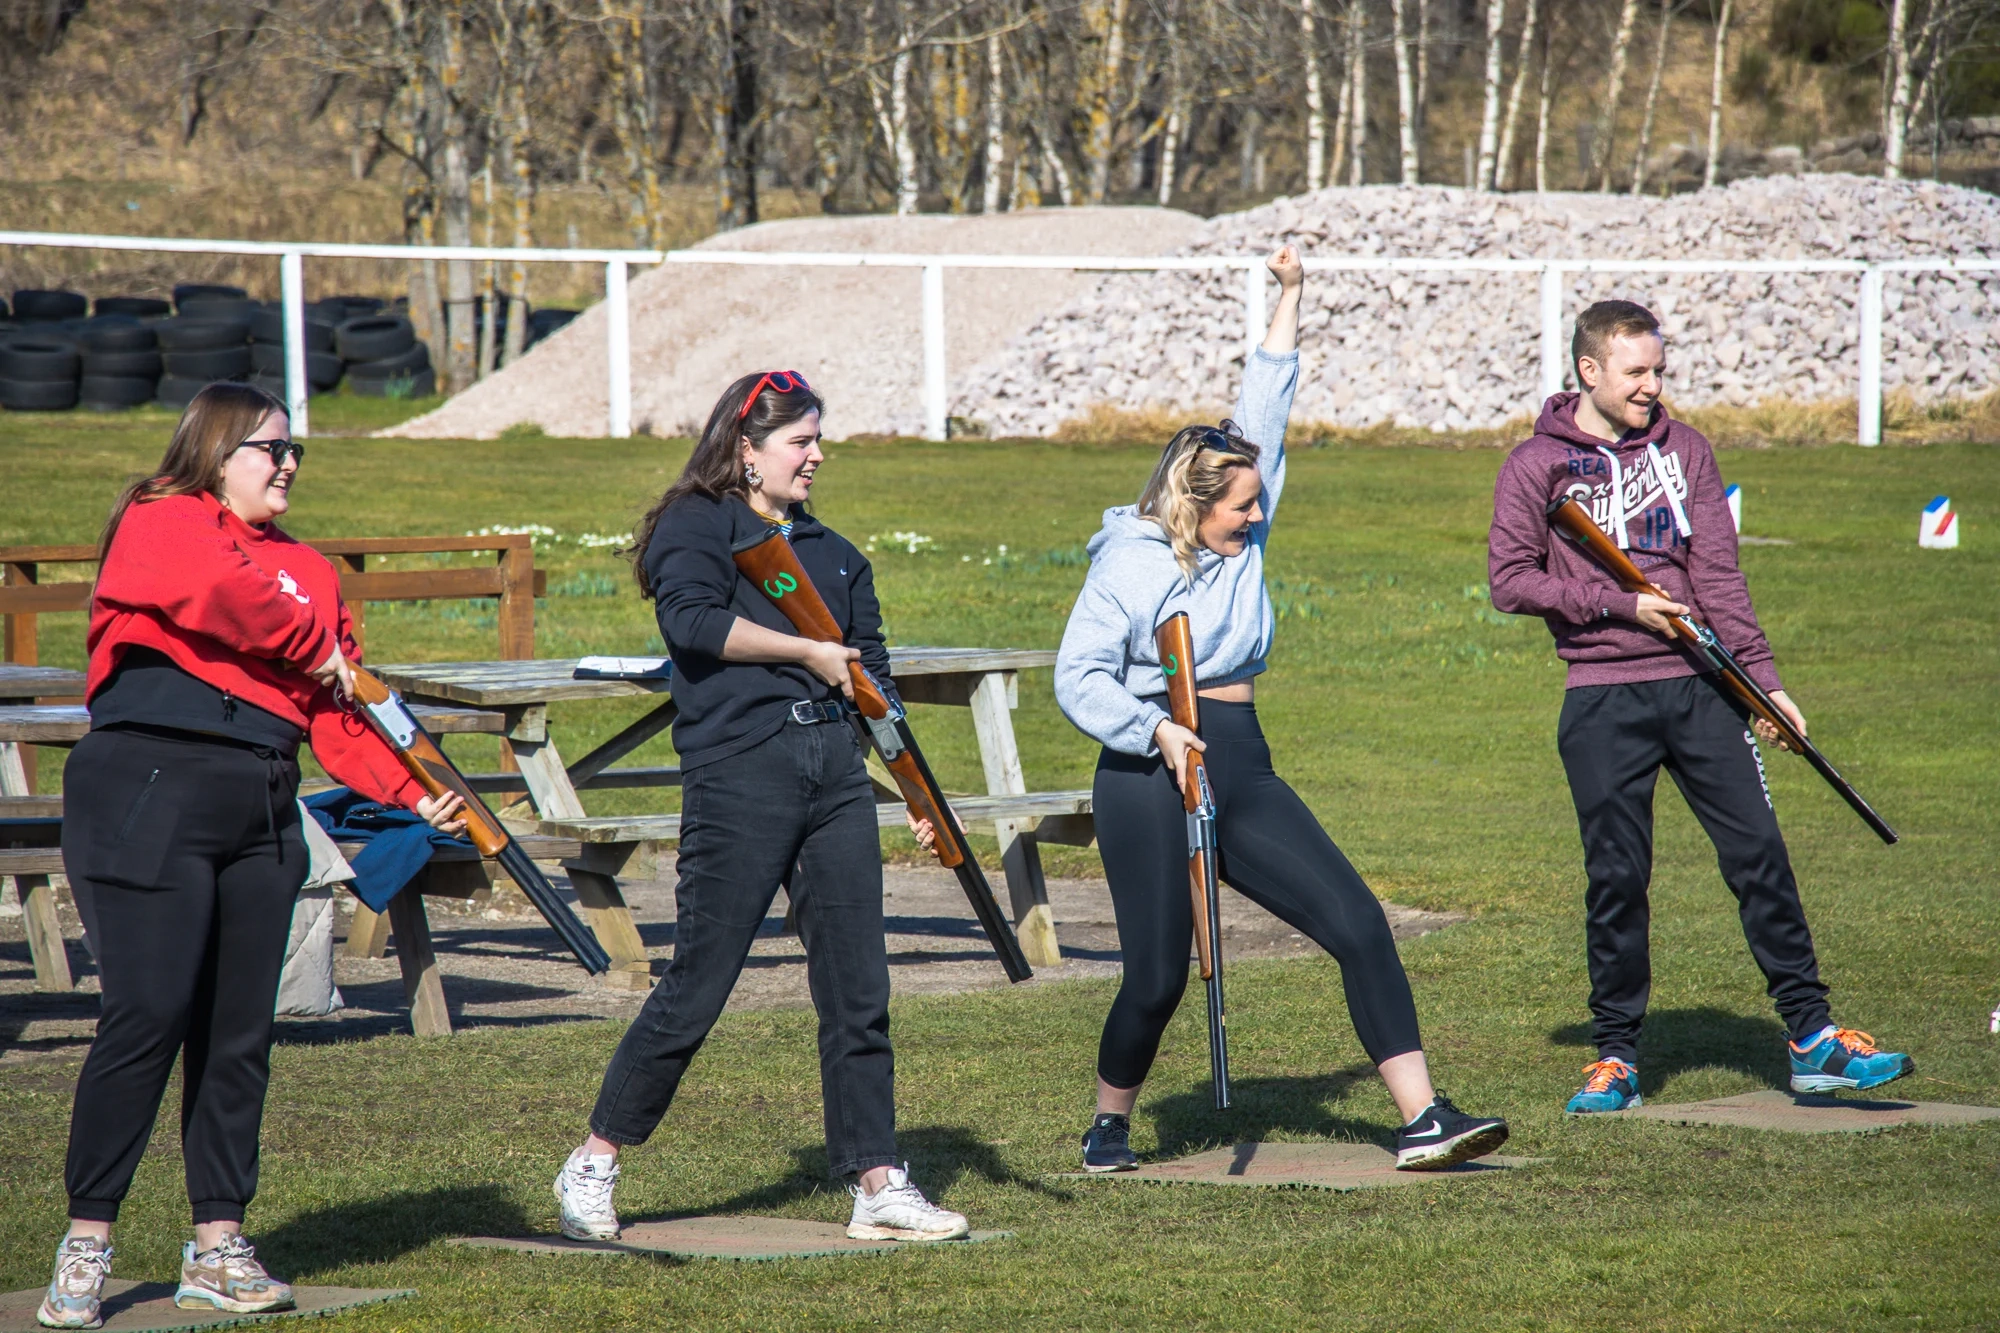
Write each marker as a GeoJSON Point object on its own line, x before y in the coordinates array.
{"type": "Point", "coordinates": [1597, 326]}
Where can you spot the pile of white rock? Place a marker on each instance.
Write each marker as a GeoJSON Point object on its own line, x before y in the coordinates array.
{"type": "Point", "coordinates": [1455, 351]}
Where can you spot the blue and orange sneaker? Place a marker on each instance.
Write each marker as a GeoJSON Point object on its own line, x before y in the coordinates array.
{"type": "Point", "coordinates": [1838, 1058]}
{"type": "Point", "coordinates": [1608, 1085]}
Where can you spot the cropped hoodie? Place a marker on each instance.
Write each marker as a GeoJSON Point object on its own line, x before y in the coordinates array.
{"type": "Point", "coordinates": [246, 610]}
{"type": "Point", "coordinates": [1108, 668]}
{"type": "Point", "coordinates": [1659, 495]}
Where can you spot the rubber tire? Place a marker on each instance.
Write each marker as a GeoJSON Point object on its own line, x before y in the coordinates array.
{"type": "Point", "coordinates": [175, 392]}
{"type": "Point", "coordinates": [359, 307]}
{"type": "Point", "coordinates": [420, 385]}
{"type": "Point", "coordinates": [374, 338]}
{"type": "Point", "coordinates": [111, 393]}
{"type": "Point", "coordinates": [36, 303]}
{"type": "Point", "coordinates": [123, 365]}
{"type": "Point", "coordinates": [116, 333]}
{"type": "Point", "coordinates": [195, 291]}
{"type": "Point", "coordinates": [181, 334]}
{"type": "Point", "coordinates": [140, 307]}
{"type": "Point", "coordinates": [37, 395]}
{"type": "Point", "coordinates": [222, 308]}
{"type": "Point", "coordinates": [323, 369]}
{"type": "Point", "coordinates": [417, 358]}
{"type": "Point", "coordinates": [268, 326]}
{"type": "Point", "coordinates": [220, 363]}
{"type": "Point", "coordinates": [25, 358]}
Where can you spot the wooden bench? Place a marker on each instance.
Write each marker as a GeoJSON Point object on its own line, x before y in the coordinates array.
{"type": "Point", "coordinates": [31, 852]}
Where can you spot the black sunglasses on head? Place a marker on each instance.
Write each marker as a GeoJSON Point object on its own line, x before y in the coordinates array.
{"type": "Point", "coordinates": [279, 450]}
{"type": "Point", "coordinates": [1224, 439]}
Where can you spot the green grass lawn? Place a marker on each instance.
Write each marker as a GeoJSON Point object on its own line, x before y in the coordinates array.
{"type": "Point", "coordinates": [1420, 726]}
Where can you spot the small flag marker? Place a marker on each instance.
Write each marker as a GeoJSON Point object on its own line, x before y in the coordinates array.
{"type": "Point", "coordinates": [1938, 529]}
{"type": "Point", "coordinates": [1735, 497]}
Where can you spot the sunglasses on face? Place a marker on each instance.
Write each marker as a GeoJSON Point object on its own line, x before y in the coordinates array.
{"type": "Point", "coordinates": [784, 381]}
{"type": "Point", "coordinates": [279, 450]}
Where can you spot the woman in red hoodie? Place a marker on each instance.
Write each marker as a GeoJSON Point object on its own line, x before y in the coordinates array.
{"type": "Point", "coordinates": [217, 644]}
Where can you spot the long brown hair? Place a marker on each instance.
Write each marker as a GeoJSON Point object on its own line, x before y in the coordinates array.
{"type": "Point", "coordinates": [221, 417]}
{"type": "Point", "coordinates": [715, 468]}
{"type": "Point", "coordinates": [1187, 482]}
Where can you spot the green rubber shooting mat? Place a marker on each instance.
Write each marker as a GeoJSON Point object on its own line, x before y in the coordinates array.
{"type": "Point", "coordinates": [1324, 1166]}
{"type": "Point", "coordinates": [739, 1238]}
{"type": "Point", "coordinates": [137, 1307]}
{"type": "Point", "coordinates": [1796, 1113]}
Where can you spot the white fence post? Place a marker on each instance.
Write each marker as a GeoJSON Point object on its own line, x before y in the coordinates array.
{"type": "Point", "coordinates": [935, 422]}
{"type": "Point", "coordinates": [618, 349]}
{"type": "Point", "coordinates": [1254, 317]}
{"type": "Point", "coordinates": [1554, 365]}
{"type": "Point", "coordinates": [1869, 428]}
{"type": "Point", "coordinates": [292, 286]}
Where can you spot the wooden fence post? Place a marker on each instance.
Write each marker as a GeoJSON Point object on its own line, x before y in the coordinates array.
{"type": "Point", "coordinates": [356, 610]}
{"type": "Point", "coordinates": [517, 628]}
{"type": "Point", "coordinates": [22, 646]}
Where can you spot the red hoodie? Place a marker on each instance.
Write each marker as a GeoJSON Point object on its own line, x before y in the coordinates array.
{"type": "Point", "coordinates": [247, 610]}
{"type": "Point", "coordinates": [1535, 573]}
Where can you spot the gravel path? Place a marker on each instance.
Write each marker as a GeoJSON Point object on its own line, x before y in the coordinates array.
{"type": "Point", "coordinates": [503, 968]}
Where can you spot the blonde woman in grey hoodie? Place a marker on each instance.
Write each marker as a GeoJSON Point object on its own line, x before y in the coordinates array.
{"type": "Point", "coordinates": [1194, 543]}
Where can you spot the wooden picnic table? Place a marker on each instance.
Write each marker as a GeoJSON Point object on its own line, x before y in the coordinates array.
{"type": "Point", "coordinates": [982, 679]}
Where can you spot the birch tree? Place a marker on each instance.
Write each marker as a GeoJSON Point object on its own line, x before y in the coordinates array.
{"type": "Point", "coordinates": [1896, 114]}
{"type": "Point", "coordinates": [1315, 101]}
{"type": "Point", "coordinates": [1357, 79]}
{"type": "Point", "coordinates": [1503, 173]}
{"type": "Point", "coordinates": [1542, 110]}
{"type": "Point", "coordinates": [1667, 10]}
{"type": "Point", "coordinates": [1614, 86]}
{"type": "Point", "coordinates": [1406, 114]}
{"type": "Point", "coordinates": [446, 89]}
{"type": "Point", "coordinates": [1489, 113]}
{"type": "Point", "coordinates": [1715, 98]}
{"type": "Point", "coordinates": [996, 126]}
{"type": "Point", "coordinates": [1105, 22]}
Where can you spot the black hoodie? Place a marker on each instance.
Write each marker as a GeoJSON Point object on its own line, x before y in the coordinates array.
{"type": "Point", "coordinates": [727, 707]}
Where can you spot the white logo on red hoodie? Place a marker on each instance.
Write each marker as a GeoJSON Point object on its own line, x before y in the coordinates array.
{"type": "Point", "coordinates": [291, 587]}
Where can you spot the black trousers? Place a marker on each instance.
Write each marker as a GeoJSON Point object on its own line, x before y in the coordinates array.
{"type": "Point", "coordinates": [1614, 740]}
{"type": "Point", "coordinates": [1272, 851]}
{"type": "Point", "coordinates": [185, 857]}
{"type": "Point", "coordinates": [796, 810]}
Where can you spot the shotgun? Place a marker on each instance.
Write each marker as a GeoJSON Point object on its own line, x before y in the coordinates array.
{"type": "Point", "coordinates": [382, 708]}
{"type": "Point", "coordinates": [1176, 644]}
{"type": "Point", "coordinates": [1570, 519]}
{"type": "Point", "coordinates": [768, 561]}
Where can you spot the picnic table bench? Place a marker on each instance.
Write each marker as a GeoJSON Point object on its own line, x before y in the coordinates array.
{"type": "Point", "coordinates": [985, 680]}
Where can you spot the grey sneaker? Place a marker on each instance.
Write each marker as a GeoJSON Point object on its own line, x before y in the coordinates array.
{"type": "Point", "coordinates": [583, 1195]}
{"type": "Point", "coordinates": [901, 1212]}
{"type": "Point", "coordinates": [77, 1289]}
{"type": "Point", "coordinates": [229, 1278]}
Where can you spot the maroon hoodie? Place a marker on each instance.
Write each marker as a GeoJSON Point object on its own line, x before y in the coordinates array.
{"type": "Point", "coordinates": [1533, 572]}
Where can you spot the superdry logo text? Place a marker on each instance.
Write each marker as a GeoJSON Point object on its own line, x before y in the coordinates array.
{"type": "Point", "coordinates": [1649, 517]}
{"type": "Point", "coordinates": [1750, 739]}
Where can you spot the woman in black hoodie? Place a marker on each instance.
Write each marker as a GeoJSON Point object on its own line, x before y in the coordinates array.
{"type": "Point", "coordinates": [773, 793]}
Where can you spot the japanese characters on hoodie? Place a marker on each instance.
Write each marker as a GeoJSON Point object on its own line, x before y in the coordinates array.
{"type": "Point", "coordinates": [1662, 488]}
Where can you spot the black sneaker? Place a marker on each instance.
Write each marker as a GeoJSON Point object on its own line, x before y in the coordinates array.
{"type": "Point", "coordinates": [1107, 1145]}
{"type": "Point", "coordinates": [1443, 1136]}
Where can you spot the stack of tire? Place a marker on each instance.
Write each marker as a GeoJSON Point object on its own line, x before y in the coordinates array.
{"type": "Point", "coordinates": [267, 349]}
{"type": "Point", "coordinates": [383, 357]}
{"type": "Point", "coordinates": [207, 339]}
{"type": "Point", "coordinates": [120, 353]}
{"type": "Point", "coordinates": [39, 364]}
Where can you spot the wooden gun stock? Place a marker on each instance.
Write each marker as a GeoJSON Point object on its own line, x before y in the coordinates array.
{"type": "Point", "coordinates": [768, 561]}
{"type": "Point", "coordinates": [1175, 641]}
{"type": "Point", "coordinates": [382, 709]}
{"type": "Point", "coordinates": [1570, 518]}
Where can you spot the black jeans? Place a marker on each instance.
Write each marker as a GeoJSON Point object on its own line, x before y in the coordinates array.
{"type": "Point", "coordinates": [1614, 741]}
{"type": "Point", "coordinates": [185, 857]}
{"type": "Point", "coordinates": [1272, 851]}
{"type": "Point", "coordinates": [796, 809]}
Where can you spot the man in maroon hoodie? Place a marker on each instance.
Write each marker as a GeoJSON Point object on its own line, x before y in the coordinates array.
{"type": "Point", "coordinates": [1636, 700]}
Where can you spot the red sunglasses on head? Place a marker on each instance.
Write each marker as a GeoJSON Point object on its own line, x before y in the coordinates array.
{"type": "Point", "coordinates": [784, 381]}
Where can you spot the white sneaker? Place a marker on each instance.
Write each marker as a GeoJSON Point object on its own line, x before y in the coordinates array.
{"type": "Point", "coordinates": [901, 1212]}
{"type": "Point", "coordinates": [77, 1289]}
{"type": "Point", "coordinates": [583, 1192]}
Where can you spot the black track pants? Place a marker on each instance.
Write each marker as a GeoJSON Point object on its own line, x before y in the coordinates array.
{"type": "Point", "coordinates": [185, 857]}
{"type": "Point", "coordinates": [1614, 741]}
{"type": "Point", "coordinates": [1272, 851]}
{"type": "Point", "coordinates": [796, 809]}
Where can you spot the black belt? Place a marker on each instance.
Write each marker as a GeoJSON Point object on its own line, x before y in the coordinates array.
{"type": "Point", "coordinates": [812, 714]}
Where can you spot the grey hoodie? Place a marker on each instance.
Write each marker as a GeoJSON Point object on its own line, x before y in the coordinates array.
{"type": "Point", "coordinates": [1108, 664]}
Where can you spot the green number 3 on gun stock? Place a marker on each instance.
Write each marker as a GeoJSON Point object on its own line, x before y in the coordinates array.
{"type": "Point", "coordinates": [776, 588]}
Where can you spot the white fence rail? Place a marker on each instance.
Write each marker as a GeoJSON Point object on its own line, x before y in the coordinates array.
{"type": "Point", "coordinates": [1553, 273]}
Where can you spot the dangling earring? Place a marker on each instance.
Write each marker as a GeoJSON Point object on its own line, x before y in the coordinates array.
{"type": "Point", "coordinates": [752, 475]}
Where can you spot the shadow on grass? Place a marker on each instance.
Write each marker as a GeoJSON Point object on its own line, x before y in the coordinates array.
{"type": "Point", "coordinates": [381, 1229]}
{"type": "Point", "coordinates": [1262, 1108]}
{"type": "Point", "coordinates": [1678, 1040]}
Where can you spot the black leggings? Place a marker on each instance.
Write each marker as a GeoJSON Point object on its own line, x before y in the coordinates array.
{"type": "Point", "coordinates": [1273, 852]}
{"type": "Point", "coordinates": [185, 857]}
